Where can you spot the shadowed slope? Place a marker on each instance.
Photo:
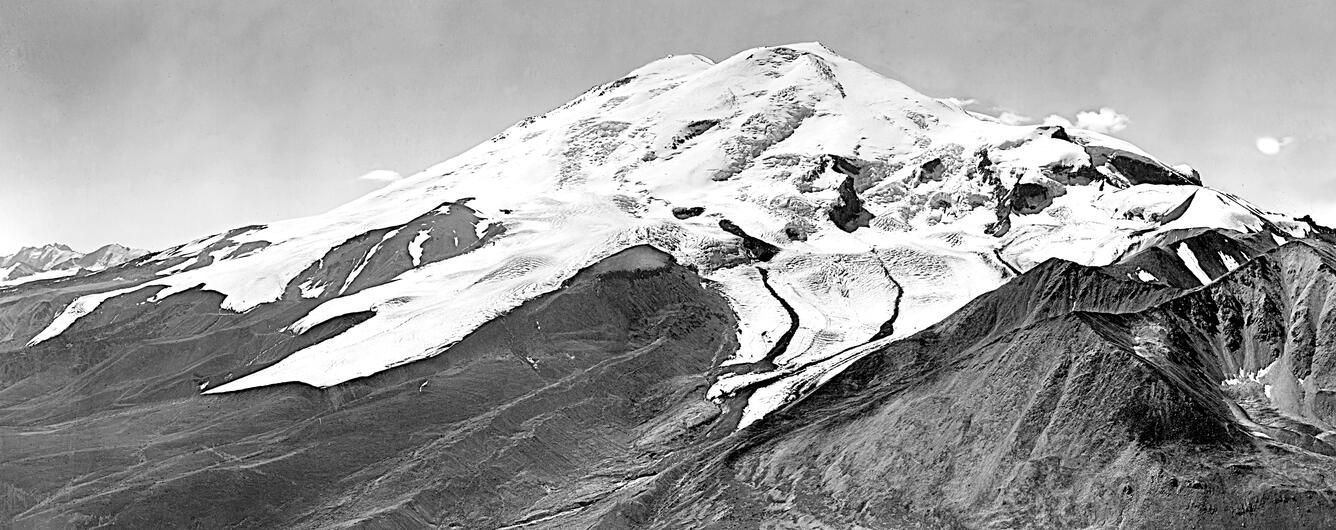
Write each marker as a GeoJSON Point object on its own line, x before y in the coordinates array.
{"type": "Point", "coordinates": [1070, 397]}
{"type": "Point", "coordinates": [565, 401]}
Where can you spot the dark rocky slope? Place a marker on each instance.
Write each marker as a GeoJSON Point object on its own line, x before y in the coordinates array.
{"type": "Point", "coordinates": [577, 396]}
{"type": "Point", "coordinates": [1069, 398]}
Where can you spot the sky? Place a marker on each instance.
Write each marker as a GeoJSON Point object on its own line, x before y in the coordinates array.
{"type": "Point", "coordinates": [154, 123]}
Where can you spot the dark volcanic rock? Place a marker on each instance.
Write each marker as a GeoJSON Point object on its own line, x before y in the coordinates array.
{"type": "Point", "coordinates": [842, 165]}
{"type": "Point", "coordinates": [1055, 132]}
{"type": "Point", "coordinates": [1323, 232]}
{"type": "Point", "coordinates": [931, 170]}
{"type": "Point", "coordinates": [756, 248]}
{"type": "Point", "coordinates": [1027, 198]}
{"type": "Point", "coordinates": [847, 211]}
{"type": "Point", "coordinates": [1137, 169]}
{"type": "Point", "coordinates": [687, 212]}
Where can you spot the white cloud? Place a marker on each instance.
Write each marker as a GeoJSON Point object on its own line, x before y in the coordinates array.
{"type": "Point", "coordinates": [1054, 119]}
{"type": "Point", "coordinates": [959, 102]}
{"type": "Point", "coordinates": [1105, 120]}
{"type": "Point", "coordinates": [381, 175]}
{"type": "Point", "coordinates": [1011, 118]}
{"type": "Point", "coordinates": [1270, 145]}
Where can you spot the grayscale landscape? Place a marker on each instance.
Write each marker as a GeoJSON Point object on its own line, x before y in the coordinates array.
{"type": "Point", "coordinates": [771, 288]}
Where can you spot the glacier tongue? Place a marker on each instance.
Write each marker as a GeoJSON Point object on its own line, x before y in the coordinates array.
{"type": "Point", "coordinates": [763, 140]}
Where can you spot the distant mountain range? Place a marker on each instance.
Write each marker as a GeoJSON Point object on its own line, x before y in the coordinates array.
{"type": "Point", "coordinates": [57, 260]}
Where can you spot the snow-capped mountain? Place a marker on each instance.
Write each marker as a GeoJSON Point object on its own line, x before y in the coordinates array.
{"type": "Point", "coordinates": [57, 261]}
{"type": "Point", "coordinates": [871, 195]}
{"type": "Point", "coordinates": [45, 257]}
{"type": "Point", "coordinates": [108, 256]}
{"type": "Point", "coordinates": [786, 223]}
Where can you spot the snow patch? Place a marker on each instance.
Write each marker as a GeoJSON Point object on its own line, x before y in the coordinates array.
{"type": "Point", "coordinates": [1190, 261]}
{"type": "Point", "coordinates": [310, 289]}
{"type": "Point", "coordinates": [81, 306]}
{"type": "Point", "coordinates": [415, 246]}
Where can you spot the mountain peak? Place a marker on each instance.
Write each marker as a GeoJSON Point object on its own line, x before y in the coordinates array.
{"type": "Point", "coordinates": [58, 260]}
{"type": "Point", "coordinates": [878, 287]}
{"type": "Point", "coordinates": [843, 186]}
{"type": "Point", "coordinates": [673, 64]}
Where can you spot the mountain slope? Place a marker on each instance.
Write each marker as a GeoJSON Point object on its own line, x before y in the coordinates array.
{"type": "Point", "coordinates": [672, 300]}
{"type": "Point", "coordinates": [632, 338]}
{"type": "Point", "coordinates": [107, 256]}
{"type": "Point", "coordinates": [1075, 408]}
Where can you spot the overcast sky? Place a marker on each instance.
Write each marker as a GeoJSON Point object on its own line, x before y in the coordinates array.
{"type": "Point", "coordinates": [153, 123]}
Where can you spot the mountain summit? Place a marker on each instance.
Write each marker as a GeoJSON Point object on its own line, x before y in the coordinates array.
{"type": "Point", "coordinates": [57, 261]}
{"type": "Point", "coordinates": [705, 293]}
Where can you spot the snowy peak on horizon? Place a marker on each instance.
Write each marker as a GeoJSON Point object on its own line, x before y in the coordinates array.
{"type": "Point", "coordinates": [55, 260]}
{"type": "Point", "coordinates": [43, 257]}
{"type": "Point", "coordinates": [796, 181]}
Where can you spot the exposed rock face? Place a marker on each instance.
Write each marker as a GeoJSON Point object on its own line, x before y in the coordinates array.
{"type": "Point", "coordinates": [687, 212]}
{"type": "Point", "coordinates": [847, 211]}
{"type": "Point", "coordinates": [1027, 198]}
{"type": "Point", "coordinates": [692, 130]}
{"type": "Point", "coordinates": [1324, 232]}
{"type": "Point", "coordinates": [756, 248]}
{"type": "Point", "coordinates": [1055, 132]}
{"type": "Point", "coordinates": [931, 170]}
{"type": "Point", "coordinates": [1138, 169]}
